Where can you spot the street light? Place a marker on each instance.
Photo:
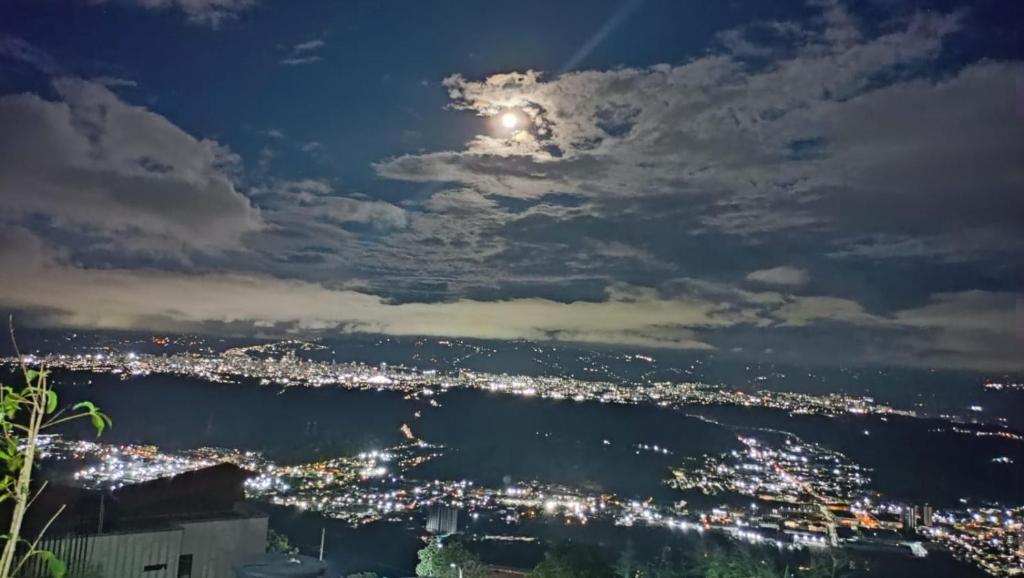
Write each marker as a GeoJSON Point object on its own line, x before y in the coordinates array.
{"type": "Point", "coordinates": [456, 566]}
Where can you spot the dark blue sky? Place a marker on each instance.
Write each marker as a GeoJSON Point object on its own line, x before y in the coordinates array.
{"type": "Point", "coordinates": [762, 178]}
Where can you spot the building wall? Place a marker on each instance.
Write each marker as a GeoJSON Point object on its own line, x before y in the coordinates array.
{"type": "Point", "coordinates": [128, 555]}
{"type": "Point", "coordinates": [216, 545]}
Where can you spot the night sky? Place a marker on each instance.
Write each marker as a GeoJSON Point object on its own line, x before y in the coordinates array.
{"type": "Point", "coordinates": [817, 181]}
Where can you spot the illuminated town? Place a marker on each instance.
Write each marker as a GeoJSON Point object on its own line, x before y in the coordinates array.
{"type": "Point", "coordinates": [278, 364]}
{"type": "Point", "coordinates": [795, 493]}
{"type": "Point", "coordinates": [801, 495]}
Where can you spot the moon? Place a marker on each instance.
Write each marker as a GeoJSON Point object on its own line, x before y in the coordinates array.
{"type": "Point", "coordinates": [509, 120]}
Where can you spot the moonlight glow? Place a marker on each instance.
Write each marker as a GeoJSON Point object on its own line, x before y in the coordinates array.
{"type": "Point", "coordinates": [509, 120]}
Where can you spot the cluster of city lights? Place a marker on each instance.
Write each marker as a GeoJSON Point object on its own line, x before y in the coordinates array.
{"type": "Point", "coordinates": [279, 364]}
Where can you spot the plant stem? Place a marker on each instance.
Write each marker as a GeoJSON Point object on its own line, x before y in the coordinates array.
{"type": "Point", "coordinates": [21, 490]}
{"type": "Point", "coordinates": [32, 549]}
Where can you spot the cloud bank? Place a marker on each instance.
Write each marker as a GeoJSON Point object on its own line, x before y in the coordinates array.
{"type": "Point", "coordinates": [95, 163]}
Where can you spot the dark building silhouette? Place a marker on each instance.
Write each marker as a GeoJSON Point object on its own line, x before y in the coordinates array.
{"type": "Point", "coordinates": [193, 525]}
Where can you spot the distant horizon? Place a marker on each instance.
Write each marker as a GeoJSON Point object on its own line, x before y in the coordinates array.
{"type": "Point", "coordinates": [31, 337]}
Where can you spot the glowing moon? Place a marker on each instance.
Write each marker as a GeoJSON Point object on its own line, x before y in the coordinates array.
{"type": "Point", "coordinates": [509, 120]}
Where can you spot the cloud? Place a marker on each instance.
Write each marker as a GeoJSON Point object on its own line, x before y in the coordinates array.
{"type": "Point", "coordinates": [602, 251]}
{"type": "Point", "coordinates": [309, 46]}
{"type": "Point", "coordinates": [978, 329]}
{"type": "Point", "coordinates": [297, 60]}
{"type": "Point", "coordinates": [779, 309]}
{"type": "Point", "coordinates": [206, 12]}
{"type": "Point", "coordinates": [949, 247]}
{"type": "Point", "coordinates": [967, 310]}
{"type": "Point", "coordinates": [92, 163]}
{"type": "Point", "coordinates": [304, 53]}
{"type": "Point", "coordinates": [806, 311]}
{"type": "Point", "coordinates": [787, 276]}
{"type": "Point", "coordinates": [62, 293]}
{"type": "Point", "coordinates": [18, 50]}
{"type": "Point", "coordinates": [113, 81]}
{"type": "Point", "coordinates": [906, 170]}
{"type": "Point", "coordinates": [765, 139]}
{"type": "Point", "coordinates": [714, 123]}
{"type": "Point", "coordinates": [379, 214]}
{"type": "Point", "coordinates": [293, 203]}
{"type": "Point", "coordinates": [120, 298]}
{"type": "Point", "coordinates": [739, 41]}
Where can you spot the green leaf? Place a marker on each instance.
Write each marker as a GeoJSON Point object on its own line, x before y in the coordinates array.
{"type": "Point", "coordinates": [86, 405]}
{"type": "Point", "coordinates": [98, 423]}
{"type": "Point", "coordinates": [99, 420]}
{"type": "Point", "coordinates": [57, 567]}
{"type": "Point", "coordinates": [31, 375]}
{"type": "Point", "coordinates": [51, 400]}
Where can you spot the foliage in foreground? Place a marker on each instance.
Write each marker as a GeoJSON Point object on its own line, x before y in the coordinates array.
{"type": "Point", "coordinates": [580, 561]}
{"type": "Point", "coordinates": [25, 413]}
{"type": "Point", "coordinates": [278, 543]}
{"type": "Point", "coordinates": [572, 561]}
{"type": "Point", "coordinates": [439, 560]}
{"type": "Point", "coordinates": [743, 563]}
